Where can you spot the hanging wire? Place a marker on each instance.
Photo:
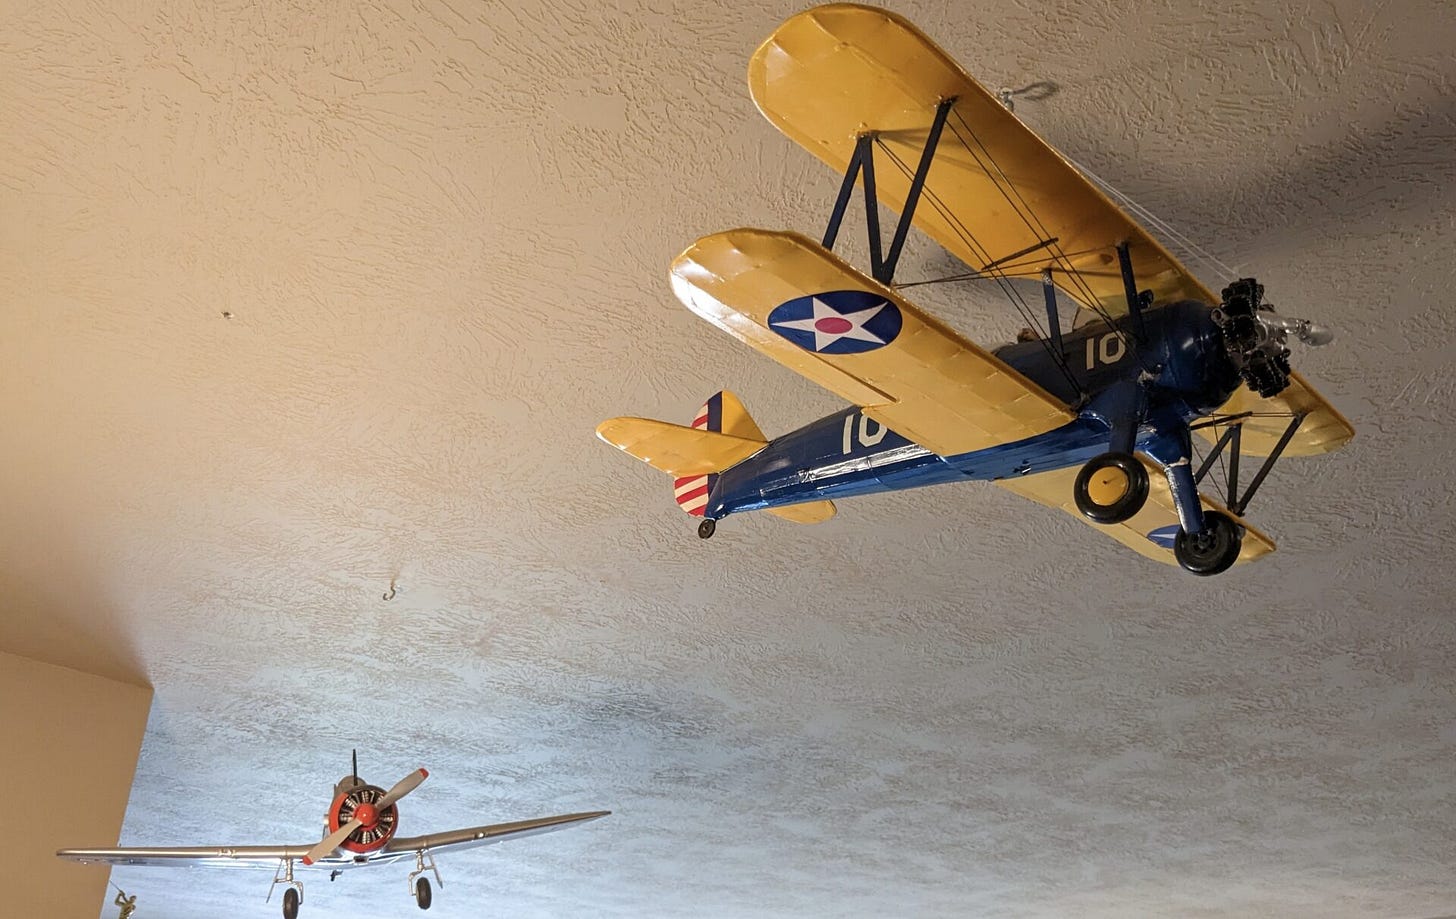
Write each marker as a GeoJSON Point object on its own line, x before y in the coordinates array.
{"type": "Point", "coordinates": [1192, 249]}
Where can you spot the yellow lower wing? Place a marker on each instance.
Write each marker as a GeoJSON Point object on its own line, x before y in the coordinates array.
{"type": "Point", "coordinates": [1054, 489]}
{"type": "Point", "coordinates": [1324, 429]}
{"type": "Point", "coordinates": [925, 382]}
{"type": "Point", "coordinates": [808, 512]}
{"type": "Point", "coordinates": [834, 72]}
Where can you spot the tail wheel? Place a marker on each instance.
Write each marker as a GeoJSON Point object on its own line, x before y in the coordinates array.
{"type": "Point", "coordinates": [290, 903]}
{"type": "Point", "coordinates": [1111, 488]}
{"type": "Point", "coordinates": [1214, 550]}
{"type": "Point", "coordinates": [707, 528]}
{"type": "Point", "coordinates": [423, 895]}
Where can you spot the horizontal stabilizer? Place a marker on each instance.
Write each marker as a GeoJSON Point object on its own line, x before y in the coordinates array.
{"type": "Point", "coordinates": [808, 512]}
{"type": "Point", "coordinates": [675, 449]}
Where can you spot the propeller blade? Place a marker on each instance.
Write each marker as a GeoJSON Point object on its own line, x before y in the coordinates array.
{"type": "Point", "coordinates": [335, 839]}
{"type": "Point", "coordinates": [401, 788]}
{"type": "Point", "coordinates": [332, 841]}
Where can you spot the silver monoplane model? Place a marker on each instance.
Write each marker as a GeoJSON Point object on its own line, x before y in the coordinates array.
{"type": "Point", "coordinates": [358, 830]}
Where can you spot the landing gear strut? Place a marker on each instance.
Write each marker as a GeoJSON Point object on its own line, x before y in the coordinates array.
{"type": "Point", "coordinates": [420, 886]}
{"type": "Point", "coordinates": [1111, 488]}
{"type": "Point", "coordinates": [293, 894]}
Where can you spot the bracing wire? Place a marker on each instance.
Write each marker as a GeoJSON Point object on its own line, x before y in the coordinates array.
{"type": "Point", "coordinates": [1008, 269]}
{"type": "Point", "coordinates": [1027, 215]}
{"type": "Point", "coordinates": [983, 255]}
{"type": "Point", "coordinates": [1081, 288]}
{"type": "Point", "coordinates": [1018, 204]}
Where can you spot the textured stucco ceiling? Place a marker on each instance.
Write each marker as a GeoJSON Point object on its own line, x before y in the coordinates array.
{"type": "Point", "coordinates": [441, 232]}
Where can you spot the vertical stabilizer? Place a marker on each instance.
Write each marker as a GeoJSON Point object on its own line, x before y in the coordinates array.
{"type": "Point", "coordinates": [721, 414]}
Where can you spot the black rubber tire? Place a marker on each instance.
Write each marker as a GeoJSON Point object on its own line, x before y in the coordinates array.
{"type": "Point", "coordinates": [1132, 500]}
{"type": "Point", "coordinates": [1213, 551]}
{"type": "Point", "coordinates": [290, 903]}
{"type": "Point", "coordinates": [707, 528]}
{"type": "Point", "coordinates": [423, 896]}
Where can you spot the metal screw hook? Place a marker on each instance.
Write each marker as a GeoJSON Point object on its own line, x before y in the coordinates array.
{"type": "Point", "coordinates": [392, 591]}
{"type": "Point", "coordinates": [1034, 92]}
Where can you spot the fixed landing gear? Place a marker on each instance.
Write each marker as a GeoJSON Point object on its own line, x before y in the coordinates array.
{"type": "Point", "coordinates": [707, 528]}
{"type": "Point", "coordinates": [420, 885]}
{"type": "Point", "coordinates": [1111, 488]}
{"type": "Point", "coordinates": [292, 891]}
{"type": "Point", "coordinates": [1214, 550]}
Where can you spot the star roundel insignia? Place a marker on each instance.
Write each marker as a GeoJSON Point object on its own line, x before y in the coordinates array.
{"type": "Point", "coordinates": [838, 321]}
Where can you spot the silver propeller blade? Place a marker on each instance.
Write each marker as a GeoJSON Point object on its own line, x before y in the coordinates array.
{"type": "Point", "coordinates": [401, 788]}
{"type": "Point", "coordinates": [332, 841]}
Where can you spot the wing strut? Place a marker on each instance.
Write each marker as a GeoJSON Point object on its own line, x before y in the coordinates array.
{"type": "Point", "coordinates": [1054, 321]}
{"type": "Point", "coordinates": [283, 874]}
{"type": "Point", "coordinates": [1135, 300]}
{"type": "Point", "coordinates": [882, 264]}
{"type": "Point", "coordinates": [1232, 438]}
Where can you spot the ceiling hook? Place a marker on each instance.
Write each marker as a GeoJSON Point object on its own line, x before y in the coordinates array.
{"type": "Point", "coordinates": [392, 591]}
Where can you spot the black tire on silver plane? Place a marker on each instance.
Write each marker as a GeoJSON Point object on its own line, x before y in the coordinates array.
{"type": "Point", "coordinates": [290, 903]}
{"type": "Point", "coordinates": [423, 896]}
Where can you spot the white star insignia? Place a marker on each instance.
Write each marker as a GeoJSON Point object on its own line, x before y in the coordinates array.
{"type": "Point", "coordinates": [829, 325]}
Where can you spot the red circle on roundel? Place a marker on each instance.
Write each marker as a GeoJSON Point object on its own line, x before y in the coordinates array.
{"type": "Point", "coordinates": [833, 325]}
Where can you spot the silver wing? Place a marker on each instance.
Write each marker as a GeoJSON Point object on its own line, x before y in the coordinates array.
{"type": "Point", "coordinates": [188, 856]}
{"type": "Point", "coordinates": [270, 856]}
{"type": "Point", "coordinates": [406, 847]}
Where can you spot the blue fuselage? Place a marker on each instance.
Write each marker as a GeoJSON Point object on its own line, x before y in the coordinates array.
{"type": "Point", "coordinates": [1179, 372]}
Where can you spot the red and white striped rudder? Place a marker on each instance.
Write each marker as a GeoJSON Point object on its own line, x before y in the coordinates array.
{"type": "Point", "coordinates": [723, 414]}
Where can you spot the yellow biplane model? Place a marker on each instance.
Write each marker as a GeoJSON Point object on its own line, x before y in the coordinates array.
{"type": "Point", "coordinates": [1098, 420]}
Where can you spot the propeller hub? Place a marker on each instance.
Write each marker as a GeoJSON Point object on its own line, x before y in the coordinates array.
{"type": "Point", "coordinates": [367, 814]}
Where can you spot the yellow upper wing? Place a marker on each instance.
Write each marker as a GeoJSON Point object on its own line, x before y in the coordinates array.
{"type": "Point", "coordinates": [994, 189]}
{"type": "Point", "coordinates": [831, 73]}
{"type": "Point", "coordinates": [926, 383]}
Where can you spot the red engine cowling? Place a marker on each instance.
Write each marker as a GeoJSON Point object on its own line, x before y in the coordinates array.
{"type": "Point", "coordinates": [378, 824]}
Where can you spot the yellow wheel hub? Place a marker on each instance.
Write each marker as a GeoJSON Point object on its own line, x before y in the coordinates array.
{"type": "Point", "coordinates": [1108, 486]}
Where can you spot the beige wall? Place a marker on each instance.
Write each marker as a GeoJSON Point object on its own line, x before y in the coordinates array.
{"type": "Point", "coordinates": [69, 748]}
